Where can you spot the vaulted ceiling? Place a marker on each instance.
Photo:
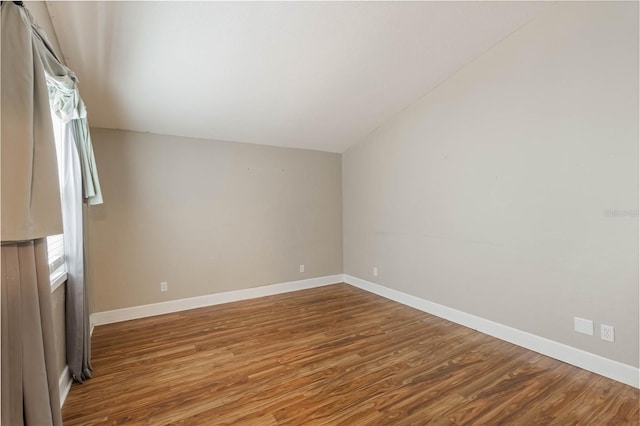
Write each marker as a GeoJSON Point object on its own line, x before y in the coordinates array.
{"type": "Point", "coordinates": [314, 75]}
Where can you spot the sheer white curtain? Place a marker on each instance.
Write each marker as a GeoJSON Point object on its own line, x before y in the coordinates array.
{"type": "Point", "coordinates": [78, 182]}
{"type": "Point", "coordinates": [77, 319]}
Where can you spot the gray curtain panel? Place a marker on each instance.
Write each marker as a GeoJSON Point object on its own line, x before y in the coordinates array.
{"type": "Point", "coordinates": [30, 212]}
{"type": "Point", "coordinates": [30, 194]}
{"type": "Point", "coordinates": [30, 393]}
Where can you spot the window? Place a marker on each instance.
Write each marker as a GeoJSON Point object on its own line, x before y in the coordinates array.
{"type": "Point", "coordinates": [55, 243]}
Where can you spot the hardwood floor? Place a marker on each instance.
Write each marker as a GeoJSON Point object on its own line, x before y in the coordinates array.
{"type": "Point", "coordinates": [331, 355]}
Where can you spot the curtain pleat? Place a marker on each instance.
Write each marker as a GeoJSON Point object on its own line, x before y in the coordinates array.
{"type": "Point", "coordinates": [30, 393]}
{"type": "Point", "coordinates": [12, 393]}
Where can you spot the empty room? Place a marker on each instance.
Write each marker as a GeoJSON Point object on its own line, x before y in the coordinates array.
{"type": "Point", "coordinates": [320, 213]}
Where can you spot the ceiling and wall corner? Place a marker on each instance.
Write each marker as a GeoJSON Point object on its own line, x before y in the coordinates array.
{"type": "Point", "coordinates": [311, 75]}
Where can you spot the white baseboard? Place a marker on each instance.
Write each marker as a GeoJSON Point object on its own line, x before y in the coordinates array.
{"type": "Point", "coordinates": [595, 363]}
{"type": "Point", "coordinates": [65, 384]}
{"type": "Point", "coordinates": [153, 309]}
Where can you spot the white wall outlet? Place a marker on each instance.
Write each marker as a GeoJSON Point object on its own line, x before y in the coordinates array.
{"type": "Point", "coordinates": [164, 286]}
{"type": "Point", "coordinates": [607, 332]}
{"type": "Point", "coordinates": [583, 326]}
{"type": "Point", "coordinates": [301, 268]}
{"type": "Point", "coordinates": [375, 271]}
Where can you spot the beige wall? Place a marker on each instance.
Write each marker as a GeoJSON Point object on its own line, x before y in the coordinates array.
{"type": "Point", "coordinates": [208, 217]}
{"type": "Point", "coordinates": [490, 194]}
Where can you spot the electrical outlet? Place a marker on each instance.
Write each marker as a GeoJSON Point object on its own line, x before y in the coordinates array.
{"type": "Point", "coordinates": [583, 326]}
{"type": "Point", "coordinates": [301, 268]}
{"type": "Point", "coordinates": [375, 271]}
{"type": "Point", "coordinates": [164, 286]}
{"type": "Point", "coordinates": [607, 332]}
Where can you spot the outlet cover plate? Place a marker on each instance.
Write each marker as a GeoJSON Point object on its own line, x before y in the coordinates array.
{"type": "Point", "coordinates": [607, 332]}
{"type": "Point", "coordinates": [583, 326]}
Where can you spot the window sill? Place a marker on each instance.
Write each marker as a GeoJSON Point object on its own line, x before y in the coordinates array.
{"type": "Point", "coordinates": [58, 280]}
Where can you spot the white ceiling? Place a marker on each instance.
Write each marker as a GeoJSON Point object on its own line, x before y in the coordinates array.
{"type": "Point", "coordinates": [314, 75]}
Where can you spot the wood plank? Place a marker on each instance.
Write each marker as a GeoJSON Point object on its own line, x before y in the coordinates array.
{"type": "Point", "coordinates": [329, 356]}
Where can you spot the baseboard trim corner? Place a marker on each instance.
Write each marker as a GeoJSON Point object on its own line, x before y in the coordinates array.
{"type": "Point", "coordinates": [65, 384]}
{"type": "Point", "coordinates": [586, 360]}
{"type": "Point", "coordinates": [143, 311]}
